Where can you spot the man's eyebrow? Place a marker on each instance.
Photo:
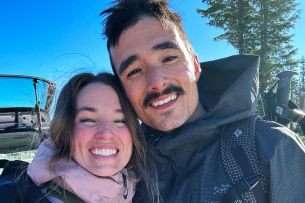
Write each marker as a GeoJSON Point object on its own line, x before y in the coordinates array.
{"type": "Point", "coordinates": [127, 62]}
{"type": "Point", "coordinates": [85, 108]}
{"type": "Point", "coordinates": [165, 45]}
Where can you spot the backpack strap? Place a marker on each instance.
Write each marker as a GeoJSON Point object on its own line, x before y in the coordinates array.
{"type": "Point", "coordinates": [53, 190]}
{"type": "Point", "coordinates": [241, 162]}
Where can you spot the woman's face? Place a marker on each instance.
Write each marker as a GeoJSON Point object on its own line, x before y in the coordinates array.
{"type": "Point", "coordinates": [101, 140]}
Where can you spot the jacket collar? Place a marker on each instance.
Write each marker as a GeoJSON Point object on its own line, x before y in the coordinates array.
{"type": "Point", "coordinates": [72, 177]}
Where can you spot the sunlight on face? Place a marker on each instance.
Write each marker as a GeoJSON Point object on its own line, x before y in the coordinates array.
{"type": "Point", "coordinates": [101, 140]}
{"type": "Point", "coordinates": [158, 73]}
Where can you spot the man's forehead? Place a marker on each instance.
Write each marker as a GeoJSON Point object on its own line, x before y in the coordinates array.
{"type": "Point", "coordinates": [146, 24]}
{"type": "Point", "coordinates": [146, 31]}
{"type": "Point", "coordinates": [147, 34]}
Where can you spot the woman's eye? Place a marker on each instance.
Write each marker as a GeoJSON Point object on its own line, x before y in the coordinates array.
{"type": "Point", "coordinates": [85, 120]}
{"type": "Point", "coordinates": [120, 122]}
{"type": "Point", "coordinates": [169, 58]}
{"type": "Point", "coordinates": [133, 72]}
{"type": "Point", "coordinates": [88, 121]}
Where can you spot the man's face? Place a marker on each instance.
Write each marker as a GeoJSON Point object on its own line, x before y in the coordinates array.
{"type": "Point", "coordinates": [159, 75]}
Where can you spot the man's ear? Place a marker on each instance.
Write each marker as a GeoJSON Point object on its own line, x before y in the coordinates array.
{"type": "Point", "coordinates": [197, 67]}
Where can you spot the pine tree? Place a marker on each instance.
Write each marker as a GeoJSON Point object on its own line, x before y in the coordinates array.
{"type": "Point", "coordinates": [301, 88]}
{"type": "Point", "coordinates": [276, 18]}
{"type": "Point", "coordinates": [261, 27]}
{"type": "Point", "coordinates": [235, 17]}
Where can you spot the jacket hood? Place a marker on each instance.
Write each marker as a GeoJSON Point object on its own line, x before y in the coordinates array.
{"type": "Point", "coordinates": [72, 177]}
{"type": "Point", "coordinates": [228, 88]}
{"type": "Point", "coordinates": [228, 91]}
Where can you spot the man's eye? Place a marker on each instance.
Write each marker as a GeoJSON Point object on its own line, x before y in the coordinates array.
{"type": "Point", "coordinates": [169, 58]}
{"type": "Point", "coordinates": [133, 72]}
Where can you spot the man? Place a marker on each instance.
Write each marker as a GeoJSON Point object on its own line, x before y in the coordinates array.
{"type": "Point", "coordinates": [200, 127]}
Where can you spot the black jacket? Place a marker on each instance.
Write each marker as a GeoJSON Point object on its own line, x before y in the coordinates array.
{"type": "Point", "coordinates": [188, 160]}
{"type": "Point", "coordinates": [17, 187]}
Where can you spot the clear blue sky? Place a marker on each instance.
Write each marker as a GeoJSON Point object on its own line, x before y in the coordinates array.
{"type": "Point", "coordinates": [55, 39]}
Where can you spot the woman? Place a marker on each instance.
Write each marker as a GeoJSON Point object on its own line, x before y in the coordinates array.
{"type": "Point", "coordinates": [94, 153]}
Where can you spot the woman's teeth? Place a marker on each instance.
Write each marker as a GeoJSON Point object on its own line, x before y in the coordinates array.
{"type": "Point", "coordinates": [104, 152]}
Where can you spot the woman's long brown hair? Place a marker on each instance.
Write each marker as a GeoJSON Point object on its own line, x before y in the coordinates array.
{"type": "Point", "coordinates": [62, 124]}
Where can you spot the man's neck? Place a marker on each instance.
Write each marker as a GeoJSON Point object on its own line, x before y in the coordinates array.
{"type": "Point", "coordinates": [199, 111]}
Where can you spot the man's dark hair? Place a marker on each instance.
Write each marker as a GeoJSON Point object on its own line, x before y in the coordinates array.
{"type": "Point", "coordinates": [126, 13]}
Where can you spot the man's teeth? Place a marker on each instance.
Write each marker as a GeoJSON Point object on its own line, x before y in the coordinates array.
{"type": "Point", "coordinates": [104, 152]}
{"type": "Point", "coordinates": [161, 102]}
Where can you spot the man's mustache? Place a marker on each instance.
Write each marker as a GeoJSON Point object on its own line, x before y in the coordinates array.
{"type": "Point", "coordinates": [168, 90]}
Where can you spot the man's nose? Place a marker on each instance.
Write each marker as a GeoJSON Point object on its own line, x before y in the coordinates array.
{"type": "Point", "coordinates": [156, 79]}
{"type": "Point", "coordinates": [104, 130]}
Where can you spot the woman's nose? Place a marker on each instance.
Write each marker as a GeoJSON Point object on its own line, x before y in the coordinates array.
{"type": "Point", "coordinates": [104, 130]}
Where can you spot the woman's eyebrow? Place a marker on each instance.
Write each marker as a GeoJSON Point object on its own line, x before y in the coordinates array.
{"type": "Point", "coordinates": [119, 111]}
{"type": "Point", "coordinates": [85, 108]}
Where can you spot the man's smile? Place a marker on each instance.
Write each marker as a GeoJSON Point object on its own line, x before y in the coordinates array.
{"type": "Point", "coordinates": [160, 102]}
{"type": "Point", "coordinates": [170, 93]}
